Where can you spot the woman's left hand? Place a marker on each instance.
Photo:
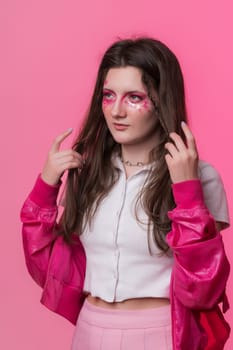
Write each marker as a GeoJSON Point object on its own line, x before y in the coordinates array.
{"type": "Point", "coordinates": [182, 159]}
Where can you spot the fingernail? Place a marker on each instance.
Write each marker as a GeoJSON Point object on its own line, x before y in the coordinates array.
{"type": "Point", "coordinates": [183, 123]}
{"type": "Point", "coordinates": [70, 129]}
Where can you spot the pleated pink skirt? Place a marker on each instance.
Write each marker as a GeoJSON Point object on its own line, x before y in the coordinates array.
{"type": "Point", "coordinates": [106, 329]}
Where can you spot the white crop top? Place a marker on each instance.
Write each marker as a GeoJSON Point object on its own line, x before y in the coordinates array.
{"type": "Point", "coordinates": [119, 265]}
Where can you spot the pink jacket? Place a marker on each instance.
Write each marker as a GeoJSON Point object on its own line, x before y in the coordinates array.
{"type": "Point", "coordinates": [199, 275]}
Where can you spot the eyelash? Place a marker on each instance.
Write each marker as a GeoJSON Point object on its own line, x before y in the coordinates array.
{"type": "Point", "coordinates": [107, 95]}
{"type": "Point", "coordinates": [132, 98]}
{"type": "Point", "coordinates": [136, 98]}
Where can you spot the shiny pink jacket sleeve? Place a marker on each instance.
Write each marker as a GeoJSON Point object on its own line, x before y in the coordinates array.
{"type": "Point", "coordinates": [38, 215]}
{"type": "Point", "coordinates": [57, 267]}
{"type": "Point", "coordinates": [201, 268]}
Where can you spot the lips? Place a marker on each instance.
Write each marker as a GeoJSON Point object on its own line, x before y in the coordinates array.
{"type": "Point", "coordinates": [120, 126]}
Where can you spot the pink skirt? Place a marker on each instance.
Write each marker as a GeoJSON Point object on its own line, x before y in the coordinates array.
{"type": "Point", "coordinates": [106, 329]}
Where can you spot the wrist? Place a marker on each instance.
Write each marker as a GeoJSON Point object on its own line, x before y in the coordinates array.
{"type": "Point", "coordinates": [176, 178]}
{"type": "Point", "coordinates": [43, 194]}
{"type": "Point", "coordinates": [50, 180]}
{"type": "Point", "coordinates": [188, 193]}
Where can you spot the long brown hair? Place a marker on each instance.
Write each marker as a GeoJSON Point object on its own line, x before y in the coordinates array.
{"type": "Point", "coordinates": [86, 188]}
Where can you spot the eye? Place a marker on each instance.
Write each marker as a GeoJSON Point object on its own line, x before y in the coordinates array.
{"type": "Point", "coordinates": [107, 95]}
{"type": "Point", "coordinates": [135, 98]}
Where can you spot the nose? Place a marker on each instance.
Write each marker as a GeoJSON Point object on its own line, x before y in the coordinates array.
{"type": "Point", "coordinates": [118, 109]}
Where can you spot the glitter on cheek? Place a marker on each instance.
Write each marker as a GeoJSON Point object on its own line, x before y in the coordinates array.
{"type": "Point", "coordinates": [147, 104]}
{"type": "Point", "coordinates": [140, 106]}
{"type": "Point", "coordinates": [133, 105]}
{"type": "Point", "coordinates": [106, 103]}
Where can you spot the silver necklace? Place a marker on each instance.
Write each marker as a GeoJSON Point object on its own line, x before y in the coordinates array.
{"type": "Point", "coordinates": [127, 162]}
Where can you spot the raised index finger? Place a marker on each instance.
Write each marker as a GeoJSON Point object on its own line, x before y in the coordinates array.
{"type": "Point", "coordinates": [59, 139]}
{"type": "Point", "coordinates": [191, 144]}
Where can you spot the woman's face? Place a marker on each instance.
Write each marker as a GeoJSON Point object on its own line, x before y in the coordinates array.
{"type": "Point", "coordinates": [128, 111]}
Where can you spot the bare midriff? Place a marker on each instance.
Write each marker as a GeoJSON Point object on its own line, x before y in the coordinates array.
{"type": "Point", "coordinates": [130, 304]}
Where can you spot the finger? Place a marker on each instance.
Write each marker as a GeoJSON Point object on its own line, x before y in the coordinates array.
{"type": "Point", "coordinates": [189, 136]}
{"type": "Point", "coordinates": [62, 162]}
{"type": "Point", "coordinates": [72, 165]}
{"type": "Point", "coordinates": [171, 149]}
{"type": "Point", "coordinates": [168, 159]}
{"type": "Point", "coordinates": [179, 143]}
{"type": "Point", "coordinates": [69, 152]}
{"type": "Point", "coordinates": [69, 164]}
{"type": "Point", "coordinates": [59, 139]}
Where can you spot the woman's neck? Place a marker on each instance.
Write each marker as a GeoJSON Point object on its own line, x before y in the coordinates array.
{"type": "Point", "coordinates": [133, 154]}
{"type": "Point", "coordinates": [133, 159]}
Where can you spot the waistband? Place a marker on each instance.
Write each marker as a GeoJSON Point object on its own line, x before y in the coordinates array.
{"type": "Point", "coordinates": [140, 318]}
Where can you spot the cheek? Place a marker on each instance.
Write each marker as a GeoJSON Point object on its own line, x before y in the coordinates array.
{"type": "Point", "coordinates": [106, 105]}
{"type": "Point", "coordinates": [142, 107]}
{"type": "Point", "coordinates": [144, 118]}
{"type": "Point", "coordinates": [147, 105]}
{"type": "Point", "coordinates": [133, 106]}
{"type": "Point", "coordinates": [106, 109]}
{"type": "Point", "coordinates": [107, 102]}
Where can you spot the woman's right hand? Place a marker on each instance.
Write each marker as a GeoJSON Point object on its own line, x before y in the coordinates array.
{"type": "Point", "coordinates": [59, 161]}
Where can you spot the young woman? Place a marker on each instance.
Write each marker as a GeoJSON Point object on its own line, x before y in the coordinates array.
{"type": "Point", "coordinates": [138, 248]}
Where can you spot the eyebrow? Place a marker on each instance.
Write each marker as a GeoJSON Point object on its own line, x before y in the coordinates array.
{"type": "Point", "coordinates": [128, 92]}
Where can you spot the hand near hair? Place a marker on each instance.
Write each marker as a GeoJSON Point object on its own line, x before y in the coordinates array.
{"type": "Point", "coordinates": [59, 161]}
{"type": "Point", "coordinates": [182, 159]}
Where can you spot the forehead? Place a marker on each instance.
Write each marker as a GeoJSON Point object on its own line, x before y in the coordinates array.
{"type": "Point", "coordinates": [124, 79]}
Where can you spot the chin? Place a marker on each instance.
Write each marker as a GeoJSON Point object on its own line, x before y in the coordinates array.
{"type": "Point", "coordinates": [123, 140]}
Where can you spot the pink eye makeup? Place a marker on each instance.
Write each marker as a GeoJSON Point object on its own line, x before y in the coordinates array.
{"type": "Point", "coordinates": [108, 97]}
{"type": "Point", "coordinates": [138, 101]}
{"type": "Point", "coordinates": [135, 100]}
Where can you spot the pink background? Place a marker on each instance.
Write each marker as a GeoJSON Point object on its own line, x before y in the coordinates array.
{"type": "Point", "coordinates": [50, 50]}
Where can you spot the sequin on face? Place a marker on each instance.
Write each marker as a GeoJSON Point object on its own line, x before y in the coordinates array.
{"type": "Point", "coordinates": [141, 102]}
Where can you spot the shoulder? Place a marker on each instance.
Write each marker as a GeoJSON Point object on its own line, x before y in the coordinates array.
{"type": "Point", "coordinates": [214, 192]}
{"type": "Point", "coordinates": [208, 172]}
